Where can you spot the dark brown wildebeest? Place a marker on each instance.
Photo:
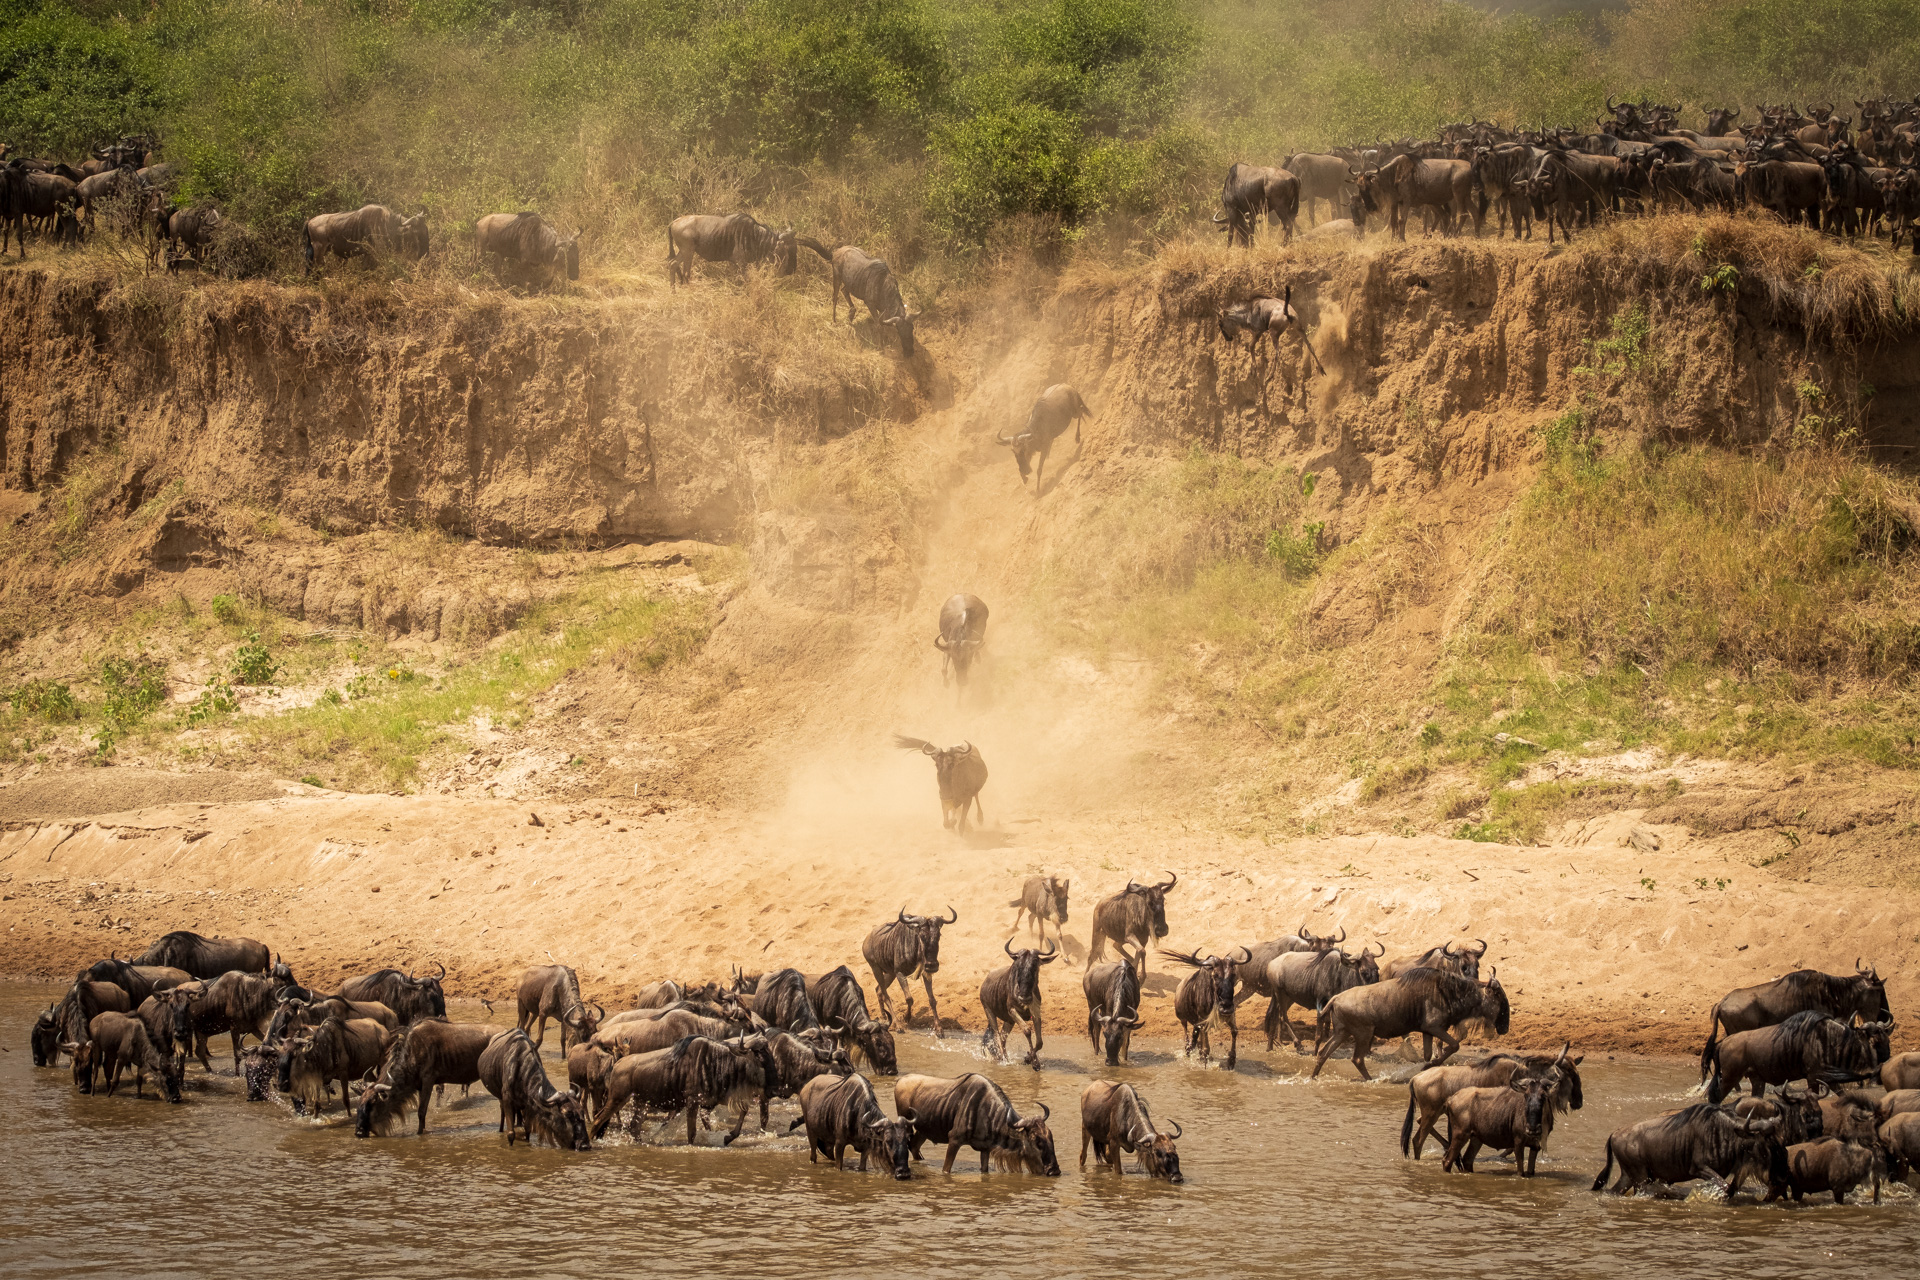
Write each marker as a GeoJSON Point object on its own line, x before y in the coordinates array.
{"type": "Point", "coordinates": [1835, 1165]}
{"type": "Point", "coordinates": [67, 1021]}
{"type": "Point", "coordinates": [735, 1074]}
{"type": "Point", "coordinates": [588, 1066]}
{"type": "Point", "coordinates": [528, 238]}
{"type": "Point", "coordinates": [1802, 991]}
{"type": "Point", "coordinates": [1312, 978]}
{"type": "Point", "coordinates": [1720, 121]}
{"type": "Point", "coordinates": [1793, 190]}
{"type": "Point", "coordinates": [258, 1067]}
{"type": "Point", "coordinates": [427, 1054]}
{"type": "Point", "coordinates": [1011, 996]}
{"type": "Point", "coordinates": [643, 1035]}
{"type": "Point", "coordinates": [656, 1080]}
{"type": "Point", "coordinates": [963, 630]}
{"type": "Point", "coordinates": [841, 1112]}
{"type": "Point", "coordinates": [1114, 1119]}
{"type": "Point", "coordinates": [1464, 961]}
{"type": "Point", "coordinates": [510, 1069]}
{"type": "Point", "coordinates": [903, 948]}
{"type": "Point", "coordinates": [1113, 1006]}
{"type": "Point", "coordinates": [1798, 1112]}
{"type": "Point", "coordinates": [797, 1061]}
{"type": "Point", "coordinates": [553, 991]}
{"type": "Point", "coordinates": [960, 772]}
{"type": "Point", "coordinates": [871, 281]}
{"type": "Point", "coordinates": [1427, 1001]}
{"type": "Point", "coordinates": [1042, 898]}
{"type": "Point", "coordinates": [1901, 1072]}
{"type": "Point", "coordinates": [1253, 975]}
{"type": "Point", "coordinates": [117, 1041]}
{"type": "Point", "coordinates": [1207, 997]}
{"type": "Point", "coordinates": [1322, 177]}
{"type": "Point", "coordinates": [343, 1050]}
{"type": "Point", "coordinates": [1900, 1140]}
{"type": "Point", "coordinates": [292, 1014]}
{"type": "Point", "coordinates": [206, 957]}
{"type": "Point", "coordinates": [1058, 408]}
{"type": "Point", "coordinates": [1701, 1141]}
{"type": "Point", "coordinates": [409, 997]}
{"type": "Point", "coordinates": [1263, 315]}
{"type": "Point", "coordinates": [370, 229]}
{"type": "Point", "coordinates": [138, 981]}
{"type": "Point", "coordinates": [1516, 1117]}
{"type": "Point", "coordinates": [1137, 914]}
{"type": "Point", "coordinates": [1404, 183]}
{"type": "Point", "coordinates": [973, 1111]}
{"type": "Point", "coordinates": [1252, 190]}
{"type": "Point", "coordinates": [1504, 173]}
{"type": "Point", "coordinates": [781, 1001]}
{"type": "Point", "coordinates": [1807, 1046]}
{"type": "Point", "coordinates": [1427, 1092]}
{"type": "Point", "coordinates": [738, 238]}
{"type": "Point", "coordinates": [234, 1004]}
{"type": "Point", "coordinates": [842, 1008]}
{"type": "Point", "coordinates": [27, 195]}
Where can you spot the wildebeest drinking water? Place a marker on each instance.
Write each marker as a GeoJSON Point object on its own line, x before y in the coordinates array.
{"type": "Point", "coordinates": [973, 1111]}
{"type": "Point", "coordinates": [841, 1006]}
{"type": "Point", "coordinates": [1114, 1119]}
{"type": "Point", "coordinates": [960, 771]}
{"type": "Point", "coordinates": [963, 630]}
{"type": "Point", "coordinates": [1058, 408]}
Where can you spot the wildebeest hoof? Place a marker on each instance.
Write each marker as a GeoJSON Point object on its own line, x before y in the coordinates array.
{"type": "Point", "coordinates": [728, 1140]}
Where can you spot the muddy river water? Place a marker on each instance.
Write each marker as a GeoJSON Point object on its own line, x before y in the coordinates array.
{"type": "Point", "coordinates": [1283, 1177]}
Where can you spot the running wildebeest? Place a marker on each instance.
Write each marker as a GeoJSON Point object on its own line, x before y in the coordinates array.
{"type": "Point", "coordinates": [1011, 996]}
{"type": "Point", "coordinates": [206, 957]}
{"type": "Point", "coordinates": [1058, 408]}
{"type": "Point", "coordinates": [842, 1008]}
{"type": "Point", "coordinates": [1427, 1092]}
{"type": "Point", "coordinates": [1042, 898]}
{"type": "Point", "coordinates": [1427, 1001]}
{"type": "Point", "coordinates": [510, 1069]}
{"type": "Point", "coordinates": [1207, 997]}
{"type": "Point", "coordinates": [1804, 990]}
{"type": "Point", "coordinates": [963, 630]}
{"type": "Point", "coordinates": [1114, 1119]}
{"type": "Point", "coordinates": [427, 1054]}
{"type": "Point", "coordinates": [1113, 1006]}
{"type": "Point", "coordinates": [1807, 1046]}
{"type": "Point", "coordinates": [1701, 1141]}
{"type": "Point", "coordinates": [1516, 1117]}
{"type": "Point", "coordinates": [973, 1111]}
{"type": "Point", "coordinates": [528, 238]}
{"type": "Point", "coordinates": [960, 772]}
{"type": "Point", "coordinates": [553, 991]}
{"type": "Point", "coordinates": [1138, 914]}
{"type": "Point", "coordinates": [739, 238]}
{"type": "Point", "coordinates": [1262, 315]}
{"type": "Point", "coordinates": [118, 1041]}
{"type": "Point", "coordinates": [872, 281]}
{"type": "Point", "coordinates": [841, 1112]}
{"type": "Point", "coordinates": [409, 997]}
{"type": "Point", "coordinates": [1252, 190]}
{"type": "Point", "coordinates": [1834, 1165]}
{"type": "Point", "coordinates": [1312, 978]}
{"type": "Point", "coordinates": [372, 228]}
{"type": "Point", "coordinates": [903, 948]}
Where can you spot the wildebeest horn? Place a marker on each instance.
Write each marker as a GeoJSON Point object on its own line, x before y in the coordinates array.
{"type": "Point", "coordinates": [1369, 947]}
{"type": "Point", "coordinates": [902, 917]}
{"type": "Point", "coordinates": [1483, 947]}
{"type": "Point", "coordinates": [1249, 955]}
{"type": "Point", "coordinates": [1177, 1130]}
{"type": "Point", "coordinates": [1218, 218]}
{"type": "Point", "coordinates": [1492, 974]}
{"type": "Point", "coordinates": [964, 749]}
{"type": "Point", "coordinates": [1446, 949]}
{"type": "Point", "coordinates": [1343, 934]}
{"type": "Point", "coordinates": [952, 915]}
{"type": "Point", "coordinates": [1172, 880]}
{"type": "Point", "coordinates": [1045, 1111]}
{"type": "Point", "coordinates": [940, 643]}
{"type": "Point", "coordinates": [1008, 946]}
{"type": "Point", "coordinates": [1303, 934]}
{"type": "Point", "coordinates": [1610, 105]}
{"type": "Point", "coordinates": [1050, 951]}
{"type": "Point", "coordinates": [1131, 887]}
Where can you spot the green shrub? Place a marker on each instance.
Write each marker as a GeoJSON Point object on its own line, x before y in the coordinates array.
{"type": "Point", "coordinates": [215, 700]}
{"type": "Point", "coordinates": [226, 610]}
{"type": "Point", "coordinates": [134, 687]}
{"type": "Point", "coordinates": [51, 701]}
{"type": "Point", "coordinates": [253, 664]}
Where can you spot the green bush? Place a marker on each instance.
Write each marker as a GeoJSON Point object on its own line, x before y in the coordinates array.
{"type": "Point", "coordinates": [134, 687]}
{"type": "Point", "coordinates": [253, 664]}
{"type": "Point", "coordinates": [51, 701]}
{"type": "Point", "coordinates": [226, 610]}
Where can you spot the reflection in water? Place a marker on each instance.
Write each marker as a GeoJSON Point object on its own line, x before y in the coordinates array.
{"type": "Point", "coordinates": [1283, 1177]}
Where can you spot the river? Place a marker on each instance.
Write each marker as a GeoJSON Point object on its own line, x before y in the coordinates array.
{"type": "Point", "coordinates": [1283, 1177]}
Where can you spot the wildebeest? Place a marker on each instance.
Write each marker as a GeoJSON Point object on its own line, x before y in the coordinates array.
{"type": "Point", "coordinates": [339, 1049]}
{"type": "Point", "coordinates": [206, 957]}
{"type": "Point", "coordinates": [1504, 174]}
{"type": "Point", "coordinates": [427, 1054]}
{"type": "Point", "coordinates": [738, 238]}
{"type": "Point", "coordinates": [293, 1014]}
{"type": "Point", "coordinates": [963, 630]}
{"type": "Point", "coordinates": [1206, 998]}
{"type": "Point", "coordinates": [1042, 898]}
{"type": "Point", "coordinates": [1114, 1119]}
{"type": "Point", "coordinates": [235, 1004]}
{"type": "Point", "coordinates": [117, 1041]}
{"type": "Point", "coordinates": [1011, 996]}
{"type": "Point", "coordinates": [1427, 1092]}
{"type": "Point", "coordinates": [409, 997]}
{"type": "Point", "coordinates": [871, 281]}
{"type": "Point", "coordinates": [841, 1112]}
{"type": "Point", "coordinates": [1464, 961]}
{"type": "Point", "coordinates": [371, 228]}
{"type": "Point", "coordinates": [1322, 177]}
{"type": "Point", "coordinates": [960, 772]}
{"type": "Point", "coordinates": [657, 1080]}
{"type": "Point", "coordinates": [587, 1068]}
{"type": "Point", "coordinates": [1807, 1046]}
{"type": "Point", "coordinates": [259, 1064]}
{"type": "Point", "coordinates": [1427, 1001]}
{"type": "Point", "coordinates": [1792, 190]}
{"type": "Point", "coordinates": [115, 188]}
{"type": "Point", "coordinates": [1113, 1006]}
{"type": "Point", "coordinates": [1138, 914]}
{"type": "Point", "coordinates": [1253, 978]}
{"type": "Point", "coordinates": [781, 1001]}
{"type": "Point", "coordinates": [67, 1021]}
{"type": "Point", "coordinates": [553, 991]}
{"type": "Point", "coordinates": [1262, 315]}
{"type": "Point", "coordinates": [1802, 991]}
{"type": "Point", "coordinates": [1701, 1141]}
{"type": "Point", "coordinates": [797, 1061]}
{"type": "Point", "coordinates": [1058, 408]}
{"type": "Point", "coordinates": [1252, 190]}
{"type": "Point", "coordinates": [1516, 1117]}
{"type": "Point", "coordinates": [903, 948]}
{"type": "Point", "coordinates": [1834, 1165]}
{"type": "Point", "coordinates": [1900, 1140]}
{"type": "Point", "coordinates": [528, 238]}
{"type": "Point", "coordinates": [646, 1034]}
{"type": "Point", "coordinates": [27, 195]}
{"type": "Point", "coordinates": [1405, 182]}
{"type": "Point", "coordinates": [1901, 1072]}
{"type": "Point", "coordinates": [841, 1006]}
{"type": "Point", "coordinates": [1570, 186]}
{"type": "Point", "coordinates": [1312, 978]}
{"type": "Point", "coordinates": [138, 981]}
{"type": "Point", "coordinates": [511, 1071]}
{"type": "Point", "coordinates": [973, 1111]}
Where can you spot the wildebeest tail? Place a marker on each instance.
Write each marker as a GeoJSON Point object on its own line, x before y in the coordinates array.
{"type": "Point", "coordinates": [1600, 1183]}
{"type": "Point", "coordinates": [796, 1123]}
{"type": "Point", "coordinates": [905, 743]}
{"type": "Point", "coordinates": [1706, 1054]}
{"type": "Point", "coordinates": [1406, 1126]}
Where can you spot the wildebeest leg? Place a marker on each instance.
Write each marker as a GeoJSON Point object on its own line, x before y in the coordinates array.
{"type": "Point", "coordinates": [906, 995]}
{"type": "Point", "coordinates": [1233, 1045]}
{"type": "Point", "coordinates": [1085, 1138]}
{"type": "Point", "coordinates": [1362, 1042]}
{"type": "Point", "coordinates": [1452, 1046]}
{"type": "Point", "coordinates": [1036, 1039]}
{"type": "Point", "coordinates": [200, 1051]}
{"type": "Point", "coordinates": [1473, 1149]}
{"type": "Point", "coordinates": [1326, 1048]}
{"type": "Point", "coordinates": [939, 1032]}
{"type": "Point", "coordinates": [539, 1028]}
{"type": "Point", "coordinates": [953, 1149]}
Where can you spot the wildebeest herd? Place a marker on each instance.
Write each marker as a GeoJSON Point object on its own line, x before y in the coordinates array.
{"type": "Point", "coordinates": [1830, 1108]}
